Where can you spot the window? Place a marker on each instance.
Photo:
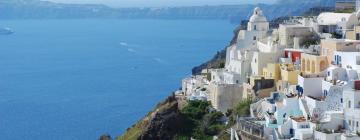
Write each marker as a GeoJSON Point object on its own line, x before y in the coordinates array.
{"type": "Point", "coordinates": [341, 100]}
{"type": "Point", "coordinates": [339, 59]}
{"type": "Point", "coordinates": [357, 124]}
{"type": "Point", "coordinates": [254, 38]}
{"type": "Point", "coordinates": [353, 123]}
{"type": "Point", "coordinates": [349, 122]}
{"type": "Point", "coordinates": [305, 126]}
{"type": "Point", "coordinates": [357, 60]}
{"type": "Point", "coordinates": [349, 104]}
{"type": "Point", "coordinates": [357, 36]}
{"type": "Point", "coordinates": [291, 131]}
{"type": "Point", "coordinates": [254, 27]}
{"type": "Point", "coordinates": [328, 73]}
{"type": "Point", "coordinates": [255, 60]}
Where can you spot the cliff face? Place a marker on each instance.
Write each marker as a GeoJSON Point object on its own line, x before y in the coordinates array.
{"type": "Point", "coordinates": [178, 119]}
{"type": "Point", "coordinates": [164, 123]}
{"type": "Point", "coordinates": [161, 124]}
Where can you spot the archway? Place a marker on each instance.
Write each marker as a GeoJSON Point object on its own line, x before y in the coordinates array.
{"type": "Point", "coordinates": [308, 65]}
{"type": "Point", "coordinates": [302, 64]}
{"type": "Point", "coordinates": [322, 65]}
{"type": "Point", "coordinates": [313, 67]}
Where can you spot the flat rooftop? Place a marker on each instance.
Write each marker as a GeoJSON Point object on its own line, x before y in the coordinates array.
{"type": "Point", "coordinates": [298, 119]}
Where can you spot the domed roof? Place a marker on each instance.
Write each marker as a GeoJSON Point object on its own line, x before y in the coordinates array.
{"type": "Point", "coordinates": [358, 14]}
{"type": "Point", "coordinates": [258, 16]}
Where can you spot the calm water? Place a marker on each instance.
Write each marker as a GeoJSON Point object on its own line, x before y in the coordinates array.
{"type": "Point", "coordinates": [78, 79]}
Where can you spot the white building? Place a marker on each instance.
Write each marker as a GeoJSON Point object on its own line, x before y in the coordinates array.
{"type": "Point", "coordinates": [287, 33]}
{"type": "Point", "coordinates": [195, 87]}
{"type": "Point", "coordinates": [329, 22]}
{"type": "Point", "coordinates": [239, 56]}
{"type": "Point", "coordinates": [349, 60]}
{"type": "Point", "coordinates": [351, 98]}
{"type": "Point", "coordinates": [225, 96]}
{"type": "Point", "coordinates": [227, 84]}
{"type": "Point", "coordinates": [257, 28]}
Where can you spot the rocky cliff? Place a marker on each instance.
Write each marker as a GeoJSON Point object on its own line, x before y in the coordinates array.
{"type": "Point", "coordinates": [163, 123]}
{"type": "Point", "coordinates": [177, 119]}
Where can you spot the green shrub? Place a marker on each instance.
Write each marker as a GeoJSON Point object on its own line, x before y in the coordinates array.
{"type": "Point", "coordinates": [181, 137]}
{"type": "Point", "coordinates": [196, 109]}
{"type": "Point", "coordinates": [243, 108]}
{"type": "Point", "coordinates": [200, 123]}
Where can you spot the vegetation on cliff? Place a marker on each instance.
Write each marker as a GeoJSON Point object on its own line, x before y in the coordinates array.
{"type": "Point", "coordinates": [315, 11]}
{"type": "Point", "coordinates": [201, 122]}
{"type": "Point", "coordinates": [170, 121]}
{"type": "Point", "coordinates": [243, 108]}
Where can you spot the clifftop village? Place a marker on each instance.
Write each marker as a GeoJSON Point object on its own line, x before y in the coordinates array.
{"type": "Point", "coordinates": [303, 78]}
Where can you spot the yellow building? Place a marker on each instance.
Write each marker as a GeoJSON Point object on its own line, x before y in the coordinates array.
{"type": "Point", "coordinates": [258, 87]}
{"type": "Point", "coordinates": [313, 64]}
{"type": "Point", "coordinates": [272, 71]}
{"type": "Point", "coordinates": [353, 35]}
{"type": "Point", "coordinates": [329, 46]}
{"type": "Point", "coordinates": [289, 73]}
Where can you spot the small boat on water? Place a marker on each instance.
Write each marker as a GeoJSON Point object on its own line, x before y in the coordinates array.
{"type": "Point", "coordinates": [6, 31]}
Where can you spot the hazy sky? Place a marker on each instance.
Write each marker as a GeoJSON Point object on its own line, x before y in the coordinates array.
{"type": "Point", "coordinates": [160, 3]}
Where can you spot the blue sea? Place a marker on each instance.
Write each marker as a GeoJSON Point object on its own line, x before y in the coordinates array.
{"type": "Point", "coordinates": [79, 79]}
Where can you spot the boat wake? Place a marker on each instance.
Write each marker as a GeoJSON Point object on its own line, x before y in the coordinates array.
{"type": "Point", "coordinates": [124, 44]}
{"type": "Point", "coordinates": [6, 31]}
{"type": "Point", "coordinates": [159, 60]}
{"type": "Point", "coordinates": [131, 50]}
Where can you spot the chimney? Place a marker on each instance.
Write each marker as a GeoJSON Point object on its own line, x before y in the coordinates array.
{"type": "Point", "coordinates": [357, 85]}
{"type": "Point", "coordinates": [296, 42]}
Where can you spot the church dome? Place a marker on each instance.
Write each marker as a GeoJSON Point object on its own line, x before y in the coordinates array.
{"type": "Point", "coordinates": [258, 16]}
{"type": "Point", "coordinates": [358, 14]}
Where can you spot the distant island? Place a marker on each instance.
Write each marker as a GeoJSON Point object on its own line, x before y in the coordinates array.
{"type": "Point", "coordinates": [36, 9]}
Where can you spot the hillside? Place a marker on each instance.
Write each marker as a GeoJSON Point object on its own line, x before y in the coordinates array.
{"type": "Point", "coordinates": [176, 119]}
{"type": "Point", "coordinates": [36, 9]}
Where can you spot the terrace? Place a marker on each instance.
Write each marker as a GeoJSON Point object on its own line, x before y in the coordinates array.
{"type": "Point", "coordinates": [252, 128]}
